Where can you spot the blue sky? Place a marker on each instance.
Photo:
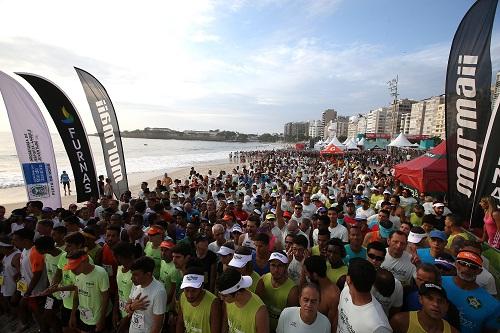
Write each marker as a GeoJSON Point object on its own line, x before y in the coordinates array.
{"type": "Point", "coordinates": [242, 65]}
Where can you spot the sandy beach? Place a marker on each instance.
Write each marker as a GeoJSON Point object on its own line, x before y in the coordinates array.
{"type": "Point", "coordinates": [15, 197]}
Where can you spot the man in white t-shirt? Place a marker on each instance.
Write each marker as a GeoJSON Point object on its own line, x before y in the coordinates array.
{"type": "Point", "coordinates": [337, 230]}
{"type": "Point", "coordinates": [308, 208]}
{"type": "Point", "coordinates": [148, 299]}
{"type": "Point", "coordinates": [397, 260]}
{"type": "Point", "coordinates": [359, 311]}
{"type": "Point", "coordinates": [365, 208]}
{"type": "Point", "coordinates": [388, 291]}
{"type": "Point", "coordinates": [306, 318]}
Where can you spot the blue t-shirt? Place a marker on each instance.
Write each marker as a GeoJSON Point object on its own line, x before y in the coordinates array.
{"type": "Point", "coordinates": [477, 308]}
{"type": "Point", "coordinates": [257, 269]}
{"type": "Point", "coordinates": [350, 254]}
{"type": "Point", "coordinates": [425, 256]}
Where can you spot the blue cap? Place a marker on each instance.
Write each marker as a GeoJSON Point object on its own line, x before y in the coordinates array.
{"type": "Point", "coordinates": [438, 234]}
{"type": "Point", "coordinates": [359, 197]}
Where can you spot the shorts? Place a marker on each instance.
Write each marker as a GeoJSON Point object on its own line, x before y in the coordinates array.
{"type": "Point", "coordinates": [108, 325]}
{"type": "Point", "coordinates": [36, 304]}
{"type": "Point", "coordinates": [65, 316]}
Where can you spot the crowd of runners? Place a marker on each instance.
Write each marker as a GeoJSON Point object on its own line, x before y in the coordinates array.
{"type": "Point", "coordinates": [285, 242]}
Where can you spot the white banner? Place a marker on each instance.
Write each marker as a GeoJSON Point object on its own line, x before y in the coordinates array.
{"type": "Point", "coordinates": [33, 143]}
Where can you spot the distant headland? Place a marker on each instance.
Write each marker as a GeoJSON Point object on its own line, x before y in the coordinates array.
{"type": "Point", "coordinates": [211, 135]}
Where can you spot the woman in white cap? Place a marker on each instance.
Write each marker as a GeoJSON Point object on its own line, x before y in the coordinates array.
{"type": "Point", "coordinates": [244, 311]}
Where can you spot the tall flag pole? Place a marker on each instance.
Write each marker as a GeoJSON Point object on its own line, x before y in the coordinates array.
{"type": "Point", "coordinates": [106, 123]}
{"type": "Point", "coordinates": [33, 143]}
{"type": "Point", "coordinates": [72, 132]}
{"type": "Point", "coordinates": [472, 146]}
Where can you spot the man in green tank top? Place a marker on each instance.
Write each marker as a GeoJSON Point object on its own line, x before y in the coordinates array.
{"type": "Point", "coordinates": [244, 311]}
{"type": "Point", "coordinates": [125, 256]}
{"type": "Point", "coordinates": [152, 249]}
{"type": "Point", "coordinates": [199, 309]}
{"type": "Point", "coordinates": [276, 289]}
{"type": "Point", "coordinates": [242, 261]}
{"type": "Point", "coordinates": [430, 318]}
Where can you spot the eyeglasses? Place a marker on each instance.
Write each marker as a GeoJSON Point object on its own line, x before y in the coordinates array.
{"type": "Point", "coordinates": [375, 257]}
{"type": "Point", "coordinates": [468, 265]}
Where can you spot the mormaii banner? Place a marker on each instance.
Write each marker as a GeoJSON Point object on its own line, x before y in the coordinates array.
{"type": "Point", "coordinates": [107, 127]}
{"type": "Point", "coordinates": [33, 143]}
{"type": "Point", "coordinates": [468, 114]}
{"type": "Point", "coordinates": [72, 132]}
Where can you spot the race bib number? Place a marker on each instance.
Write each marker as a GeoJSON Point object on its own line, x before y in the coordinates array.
{"type": "Point", "coordinates": [86, 314]}
{"type": "Point", "coordinates": [108, 269]}
{"type": "Point", "coordinates": [121, 304]}
{"type": "Point", "coordinates": [64, 294]}
{"type": "Point", "coordinates": [22, 286]}
{"type": "Point", "coordinates": [138, 321]}
{"type": "Point", "coordinates": [49, 303]}
{"type": "Point", "coordinates": [1, 280]}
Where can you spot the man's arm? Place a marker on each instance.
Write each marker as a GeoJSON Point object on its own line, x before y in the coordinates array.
{"type": "Point", "coordinates": [101, 321]}
{"type": "Point", "coordinates": [259, 289]}
{"type": "Point", "coordinates": [293, 297]}
{"type": "Point", "coordinates": [262, 320]}
{"type": "Point", "coordinates": [224, 326]}
{"type": "Point", "coordinates": [399, 322]}
{"type": "Point", "coordinates": [157, 323]}
{"type": "Point", "coordinates": [179, 326]}
{"type": "Point", "coordinates": [333, 311]}
{"type": "Point", "coordinates": [215, 316]}
{"type": "Point", "coordinates": [213, 271]}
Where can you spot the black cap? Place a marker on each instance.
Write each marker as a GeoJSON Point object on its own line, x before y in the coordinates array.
{"type": "Point", "coordinates": [427, 288]}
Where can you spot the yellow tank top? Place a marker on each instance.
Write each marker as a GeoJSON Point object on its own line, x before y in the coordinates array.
{"type": "Point", "coordinates": [197, 319]}
{"type": "Point", "coordinates": [275, 298]}
{"type": "Point", "coordinates": [415, 327]}
{"type": "Point", "coordinates": [242, 320]}
{"type": "Point", "coordinates": [255, 278]}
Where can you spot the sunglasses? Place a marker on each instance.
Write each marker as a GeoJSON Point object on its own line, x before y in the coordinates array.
{"type": "Point", "coordinates": [468, 265]}
{"type": "Point", "coordinates": [375, 257]}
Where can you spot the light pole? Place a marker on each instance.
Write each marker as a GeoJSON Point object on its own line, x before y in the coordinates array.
{"type": "Point", "coordinates": [393, 88]}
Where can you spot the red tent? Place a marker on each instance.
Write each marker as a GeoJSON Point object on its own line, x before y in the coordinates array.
{"type": "Point", "coordinates": [427, 173]}
{"type": "Point", "coordinates": [331, 149]}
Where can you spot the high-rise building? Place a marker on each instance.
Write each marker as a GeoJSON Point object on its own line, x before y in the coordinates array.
{"type": "Point", "coordinates": [376, 121]}
{"type": "Point", "coordinates": [404, 126]}
{"type": "Point", "coordinates": [296, 130]}
{"type": "Point", "coordinates": [342, 124]}
{"type": "Point", "coordinates": [352, 127]}
{"type": "Point", "coordinates": [326, 117]}
{"type": "Point", "coordinates": [439, 122]}
{"type": "Point", "coordinates": [423, 114]}
{"type": "Point", "coordinates": [362, 124]}
{"type": "Point", "coordinates": [394, 114]}
{"type": "Point", "coordinates": [315, 128]}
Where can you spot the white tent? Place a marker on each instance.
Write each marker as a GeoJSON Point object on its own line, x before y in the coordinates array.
{"type": "Point", "coordinates": [361, 142]}
{"type": "Point", "coordinates": [346, 141]}
{"type": "Point", "coordinates": [400, 141]}
{"type": "Point", "coordinates": [351, 145]}
{"type": "Point", "coordinates": [337, 143]}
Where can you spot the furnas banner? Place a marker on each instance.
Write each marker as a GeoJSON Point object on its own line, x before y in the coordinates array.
{"type": "Point", "coordinates": [33, 143]}
{"type": "Point", "coordinates": [108, 130]}
{"type": "Point", "coordinates": [472, 134]}
{"type": "Point", "coordinates": [72, 133]}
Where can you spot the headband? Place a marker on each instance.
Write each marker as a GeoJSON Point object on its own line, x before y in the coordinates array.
{"type": "Point", "coordinates": [470, 256]}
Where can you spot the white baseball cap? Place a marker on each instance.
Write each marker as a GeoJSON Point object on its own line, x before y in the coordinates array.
{"type": "Point", "coordinates": [245, 282]}
{"type": "Point", "coordinates": [224, 251]}
{"type": "Point", "coordinates": [193, 281]}
{"type": "Point", "coordinates": [279, 256]}
{"type": "Point", "coordinates": [240, 260]}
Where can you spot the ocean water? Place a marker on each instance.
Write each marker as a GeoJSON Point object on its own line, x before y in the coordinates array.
{"type": "Point", "coordinates": [141, 155]}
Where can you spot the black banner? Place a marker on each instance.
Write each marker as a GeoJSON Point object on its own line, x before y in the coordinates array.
{"type": "Point", "coordinates": [106, 123]}
{"type": "Point", "coordinates": [468, 113]}
{"type": "Point", "coordinates": [72, 132]}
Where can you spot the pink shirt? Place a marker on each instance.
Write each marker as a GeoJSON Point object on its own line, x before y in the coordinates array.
{"type": "Point", "coordinates": [492, 232]}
